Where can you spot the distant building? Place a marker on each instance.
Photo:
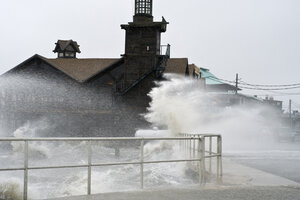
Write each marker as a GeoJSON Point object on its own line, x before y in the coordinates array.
{"type": "Point", "coordinates": [273, 103]}
{"type": "Point", "coordinates": [91, 96]}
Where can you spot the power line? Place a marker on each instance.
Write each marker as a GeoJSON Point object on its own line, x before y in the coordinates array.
{"type": "Point", "coordinates": [257, 88]}
{"type": "Point", "coordinates": [280, 95]}
{"type": "Point", "coordinates": [245, 85]}
{"type": "Point", "coordinates": [258, 85]}
{"type": "Point", "coordinates": [286, 85]}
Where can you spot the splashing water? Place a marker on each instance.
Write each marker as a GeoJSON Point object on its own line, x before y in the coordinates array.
{"type": "Point", "coordinates": [32, 129]}
{"type": "Point", "coordinates": [178, 104]}
{"type": "Point", "coordinates": [181, 105]}
{"type": "Point", "coordinates": [11, 190]}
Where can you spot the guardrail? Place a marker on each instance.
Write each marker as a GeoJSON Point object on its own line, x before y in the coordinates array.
{"type": "Point", "coordinates": [199, 156]}
{"type": "Point", "coordinates": [191, 148]}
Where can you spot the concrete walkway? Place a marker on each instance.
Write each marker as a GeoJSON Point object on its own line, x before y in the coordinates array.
{"type": "Point", "coordinates": [239, 182]}
{"type": "Point", "coordinates": [236, 175]}
{"type": "Point", "coordinates": [227, 193]}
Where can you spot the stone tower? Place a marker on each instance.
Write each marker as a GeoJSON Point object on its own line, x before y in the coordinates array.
{"type": "Point", "coordinates": [142, 45]}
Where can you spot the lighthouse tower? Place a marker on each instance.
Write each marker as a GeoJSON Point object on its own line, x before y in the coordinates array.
{"type": "Point", "coordinates": [142, 45]}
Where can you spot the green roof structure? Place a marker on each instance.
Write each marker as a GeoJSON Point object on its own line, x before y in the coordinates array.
{"type": "Point", "coordinates": [210, 79]}
{"type": "Point", "coordinates": [215, 84]}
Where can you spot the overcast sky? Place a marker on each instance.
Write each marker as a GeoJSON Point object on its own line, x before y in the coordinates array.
{"type": "Point", "coordinates": [259, 39]}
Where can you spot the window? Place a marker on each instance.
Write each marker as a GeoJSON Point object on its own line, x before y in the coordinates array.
{"type": "Point", "coordinates": [61, 55]}
{"type": "Point", "coordinates": [143, 7]}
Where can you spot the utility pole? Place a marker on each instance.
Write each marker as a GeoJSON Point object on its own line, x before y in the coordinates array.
{"type": "Point", "coordinates": [236, 83]}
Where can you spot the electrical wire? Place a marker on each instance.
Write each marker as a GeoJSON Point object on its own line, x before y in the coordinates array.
{"type": "Point", "coordinates": [256, 88]}
{"type": "Point", "coordinates": [286, 85]}
{"type": "Point", "coordinates": [244, 85]}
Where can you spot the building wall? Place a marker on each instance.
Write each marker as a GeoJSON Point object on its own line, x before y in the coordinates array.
{"type": "Point", "coordinates": [37, 91]}
{"type": "Point", "coordinates": [141, 50]}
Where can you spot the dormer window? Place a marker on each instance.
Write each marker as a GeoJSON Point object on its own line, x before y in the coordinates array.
{"type": "Point", "coordinates": [66, 49]}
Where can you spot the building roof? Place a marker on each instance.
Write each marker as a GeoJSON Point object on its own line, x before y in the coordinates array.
{"type": "Point", "coordinates": [81, 69]}
{"type": "Point", "coordinates": [209, 77]}
{"type": "Point", "coordinates": [213, 83]}
{"type": "Point", "coordinates": [70, 45]}
{"type": "Point", "coordinates": [177, 66]}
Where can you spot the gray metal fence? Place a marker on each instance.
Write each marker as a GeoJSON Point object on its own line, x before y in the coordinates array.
{"type": "Point", "coordinates": [194, 144]}
{"type": "Point", "coordinates": [209, 150]}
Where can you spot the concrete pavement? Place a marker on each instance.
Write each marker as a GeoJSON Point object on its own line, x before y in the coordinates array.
{"type": "Point", "coordinates": [223, 193]}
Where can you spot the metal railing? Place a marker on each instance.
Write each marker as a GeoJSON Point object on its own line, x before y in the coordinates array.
{"type": "Point", "coordinates": [165, 50]}
{"type": "Point", "coordinates": [188, 141]}
{"type": "Point", "coordinates": [191, 148]}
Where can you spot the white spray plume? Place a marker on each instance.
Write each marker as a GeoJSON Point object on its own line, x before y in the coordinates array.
{"type": "Point", "coordinates": [32, 129]}
{"type": "Point", "coordinates": [173, 101]}
{"type": "Point", "coordinates": [181, 105]}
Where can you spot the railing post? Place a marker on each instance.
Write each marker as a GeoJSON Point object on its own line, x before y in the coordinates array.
{"type": "Point", "coordinates": [203, 160]}
{"type": "Point", "coordinates": [190, 146]}
{"type": "Point", "coordinates": [89, 167]}
{"type": "Point", "coordinates": [142, 164]}
{"type": "Point", "coordinates": [201, 157]}
{"type": "Point", "coordinates": [219, 159]}
{"type": "Point", "coordinates": [210, 153]}
{"type": "Point", "coordinates": [185, 147]}
{"type": "Point", "coordinates": [221, 164]}
{"type": "Point", "coordinates": [25, 193]}
{"type": "Point", "coordinates": [194, 146]}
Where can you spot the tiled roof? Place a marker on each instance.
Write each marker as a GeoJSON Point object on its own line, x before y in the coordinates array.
{"type": "Point", "coordinates": [81, 69]}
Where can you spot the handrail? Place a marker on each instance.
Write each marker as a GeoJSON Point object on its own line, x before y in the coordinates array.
{"type": "Point", "coordinates": [199, 158]}
{"type": "Point", "coordinates": [167, 46]}
{"type": "Point", "coordinates": [210, 154]}
{"type": "Point", "coordinates": [92, 138]}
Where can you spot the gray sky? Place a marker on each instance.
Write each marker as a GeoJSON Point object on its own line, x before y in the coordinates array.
{"type": "Point", "coordinates": [259, 39]}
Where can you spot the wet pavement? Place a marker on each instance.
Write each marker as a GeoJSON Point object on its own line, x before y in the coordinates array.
{"type": "Point", "coordinates": [282, 160]}
{"type": "Point", "coordinates": [229, 193]}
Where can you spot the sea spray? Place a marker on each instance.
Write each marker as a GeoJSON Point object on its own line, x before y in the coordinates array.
{"type": "Point", "coordinates": [11, 190]}
{"type": "Point", "coordinates": [181, 105]}
{"type": "Point", "coordinates": [29, 130]}
{"type": "Point", "coordinates": [174, 102]}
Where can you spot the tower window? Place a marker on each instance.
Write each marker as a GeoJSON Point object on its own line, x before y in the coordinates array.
{"type": "Point", "coordinates": [143, 7]}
